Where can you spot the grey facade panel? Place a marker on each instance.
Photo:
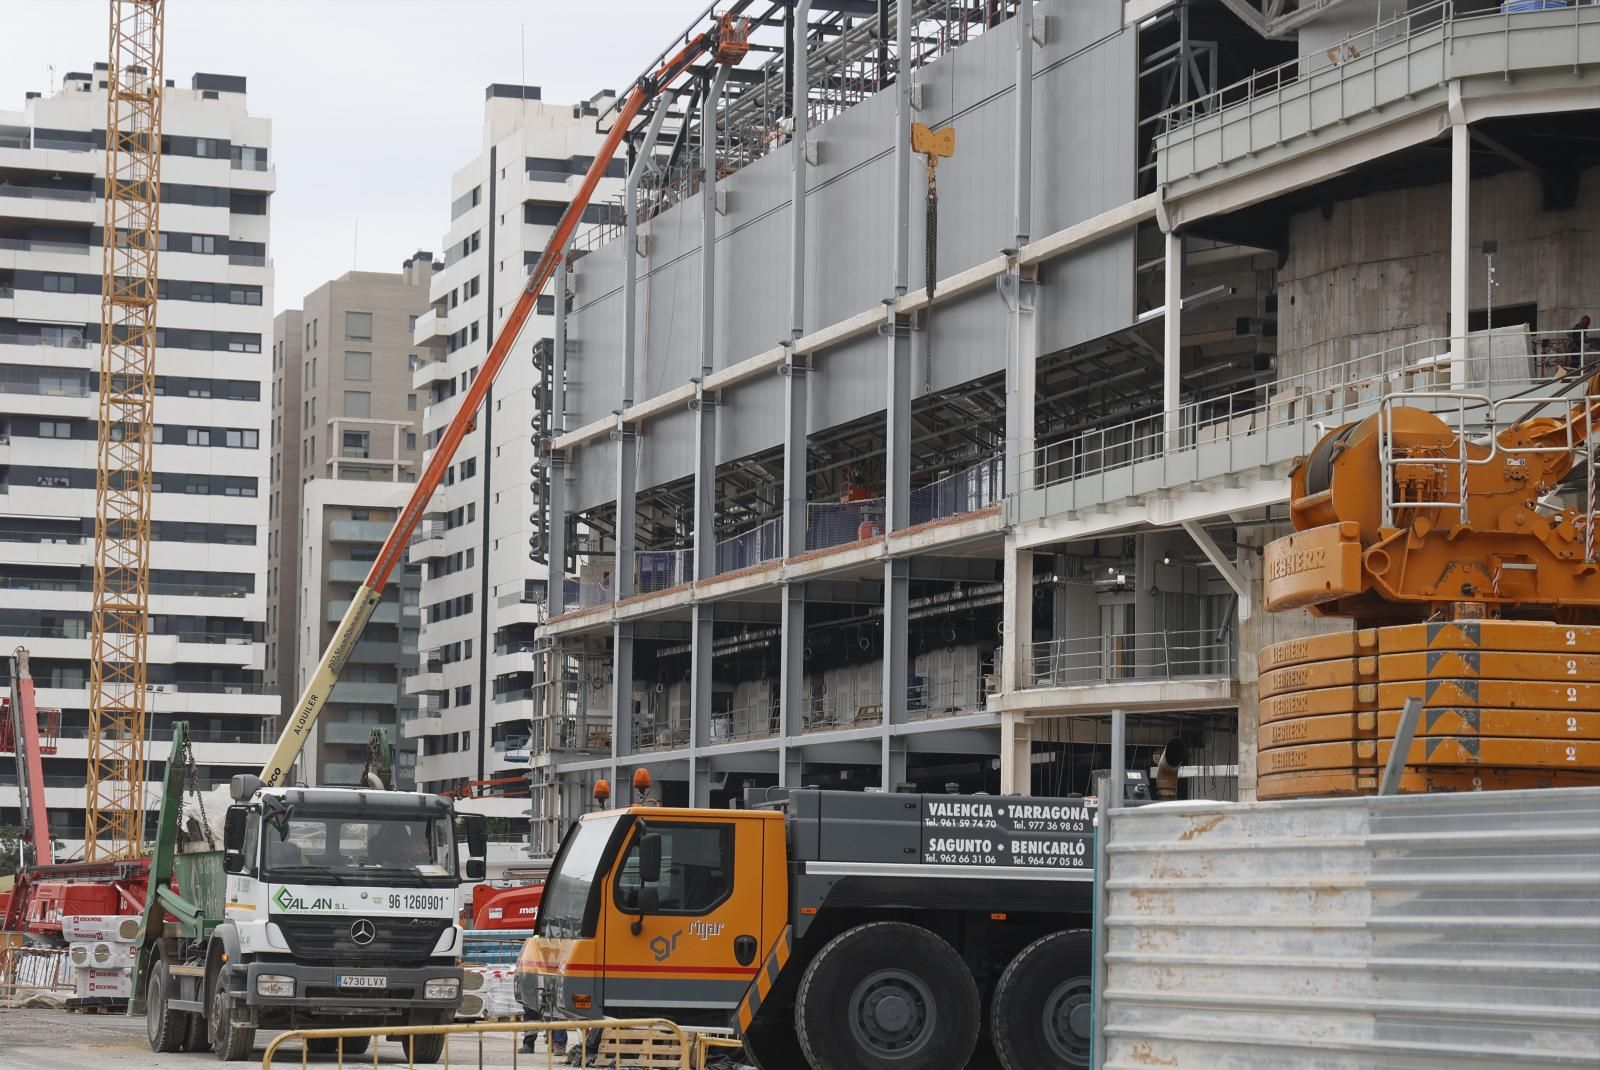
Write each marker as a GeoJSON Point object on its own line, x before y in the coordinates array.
{"type": "Point", "coordinates": [1083, 164]}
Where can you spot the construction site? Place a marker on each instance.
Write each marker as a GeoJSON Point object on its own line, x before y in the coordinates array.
{"type": "Point", "coordinates": [997, 534]}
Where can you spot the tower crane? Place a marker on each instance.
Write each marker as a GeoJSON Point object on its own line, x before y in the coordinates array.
{"type": "Point", "coordinates": [118, 665]}
{"type": "Point", "coordinates": [726, 42]}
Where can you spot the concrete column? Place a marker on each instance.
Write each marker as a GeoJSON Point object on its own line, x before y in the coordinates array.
{"type": "Point", "coordinates": [556, 538]}
{"type": "Point", "coordinates": [792, 683]}
{"type": "Point", "coordinates": [1172, 348]}
{"type": "Point", "coordinates": [621, 703]}
{"type": "Point", "coordinates": [1016, 753]}
{"type": "Point", "coordinates": [1460, 235]}
{"type": "Point", "coordinates": [1019, 287]}
{"type": "Point", "coordinates": [701, 637]}
{"type": "Point", "coordinates": [896, 646]}
{"type": "Point", "coordinates": [627, 511]}
{"type": "Point", "coordinates": [630, 281]}
{"type": "Point", "coordinates": [1017, 621]}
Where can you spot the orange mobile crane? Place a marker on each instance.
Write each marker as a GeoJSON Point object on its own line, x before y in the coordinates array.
{"type": "Point", "coordinates": [726, 42]}
{"type": "Point", "coordinates": [1473, 592]}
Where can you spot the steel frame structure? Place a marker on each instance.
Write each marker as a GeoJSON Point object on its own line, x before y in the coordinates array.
{"type": "Point", "coordinates": [120, 613]}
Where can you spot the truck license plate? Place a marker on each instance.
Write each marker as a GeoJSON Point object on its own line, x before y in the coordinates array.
{"type": "Point", "coordinates": [362, 980]}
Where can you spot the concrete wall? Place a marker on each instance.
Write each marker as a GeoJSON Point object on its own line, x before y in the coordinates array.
{"type": "Point", "coordinates": [1376, 273]}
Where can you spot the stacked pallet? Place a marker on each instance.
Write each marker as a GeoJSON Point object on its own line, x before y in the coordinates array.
{"type": "Point", "coordinates": [1506, 704]}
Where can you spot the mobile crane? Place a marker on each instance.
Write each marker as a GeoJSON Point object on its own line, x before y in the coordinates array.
{"type": "Point", "coordinates": [1471, 591]}
{"type": "Point", "coordinates": [726, 43]}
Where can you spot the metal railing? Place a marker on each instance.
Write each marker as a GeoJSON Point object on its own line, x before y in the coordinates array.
{"type": "Point", "coordinates": [830, 524]}
{"type": "Point", "coordinates": [60, 338]}
{"type": "Point", "coordinates": [1101, 659]}
{"type": "Point", "coordinates": [49, 193]}
{"type": "Point", "coordinates": [759, 545]}
{"type": "Point", "coordinates": [41, 246]}
{"type": "Point", "coordinates": [927, 700]}
{"type": "Point", "coordinates": [844, 709]}
{"type": "Point", "coordinates": [59, 389]}
{"type": "Point", "coordinates": [607, 1042]}
{"type": "Point", "coordinates": [1328, 396]}
{"type": "Point", "coordinates": [582, 732]}
{"type": "Point", "coordinates": [661, 570]}
{"type": "Point", "coordinates": [658, 734]}
{"type": "Point", "coordinates": [593, 593]}
{"type": "Point", "coordinates": [758, 720]}
{"type": "Point", "coordinates": [967, 491]}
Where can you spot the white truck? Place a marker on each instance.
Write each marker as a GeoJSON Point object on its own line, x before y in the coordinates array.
{"type": "Point", "coordinates": [320, 907]}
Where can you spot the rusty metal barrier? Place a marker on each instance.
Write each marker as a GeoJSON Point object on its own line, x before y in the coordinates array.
{"type": "Point", "coordinates": [31, 971]}
{"type": "Point", "coordinates": [649, 1043]}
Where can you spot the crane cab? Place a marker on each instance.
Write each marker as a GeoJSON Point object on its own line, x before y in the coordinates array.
{"type": "Point", "coordinates": [648, 908]}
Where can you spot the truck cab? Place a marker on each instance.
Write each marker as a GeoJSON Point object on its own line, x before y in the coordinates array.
{"type": "Point", "coordinates": [325, 907]}
{"type": "Point", "coordinates": [833, 929]}
{"type": "Point", "coordinates": [647, 899]}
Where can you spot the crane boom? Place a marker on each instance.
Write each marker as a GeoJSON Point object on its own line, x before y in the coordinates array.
{"type": "Point", "coordinates": [727, 43]}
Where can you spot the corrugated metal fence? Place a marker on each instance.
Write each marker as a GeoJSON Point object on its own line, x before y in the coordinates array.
{"type": "Point", "coordinates": [1432, 932]}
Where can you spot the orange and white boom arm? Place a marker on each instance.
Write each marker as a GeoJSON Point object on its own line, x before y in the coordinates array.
{"type": "Point", "coordinates": [728, 45]}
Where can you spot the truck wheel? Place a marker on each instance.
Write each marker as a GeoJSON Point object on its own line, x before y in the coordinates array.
{"type": "Point", "coordinates": [771, 1045]}
{"type": "Point", "coordinates": [424, 1048]}
{"type": "Point", "coordinates": [230, 1043]}
{"type": "Point", "coordinates": [356, 1045]}
{"type": "Point", "coordinates": [887, 995]}
{"type": "Point", "coordinates": [1042, 1004]}
{"type": "Point", "coordinates": [164, 1027]}
{"type": "Point", "coordinates": [195, 1038]}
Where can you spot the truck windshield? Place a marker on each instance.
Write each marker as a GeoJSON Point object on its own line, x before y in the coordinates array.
{"type": "Point", "coordinates": [570, 888]}
{"type": "Point", "coordinates": [309, 847]}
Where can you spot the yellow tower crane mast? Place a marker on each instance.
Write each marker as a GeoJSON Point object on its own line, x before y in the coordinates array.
{"type": "Point", "coordinates": [120, 617]}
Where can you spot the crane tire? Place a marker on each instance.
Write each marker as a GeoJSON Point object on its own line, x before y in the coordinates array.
{"type": "Point", "coordinates": [1040, 1013]}
{"type": "Point", "coordinates": [887, 996]}
{"type": "Point", "coordinates": [164, 1027]}
{"type": "Point", "coordinates": [771, 1045]}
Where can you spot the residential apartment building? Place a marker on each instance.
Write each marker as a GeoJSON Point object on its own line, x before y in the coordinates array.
{"type": "Point", "coordinates": [482, 592]}
{"type": "Point", "coordinates": [343, 411]}
{"type": "Point", "coordinates": [209, 525]}
{"type": "Point", "coordinates": [873, 499]}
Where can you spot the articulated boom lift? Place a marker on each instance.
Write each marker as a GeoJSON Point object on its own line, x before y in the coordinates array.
{"type": "Point", "coordinates": [727, 42]}
{"type": "Point", "coordinates": [1476, 600]}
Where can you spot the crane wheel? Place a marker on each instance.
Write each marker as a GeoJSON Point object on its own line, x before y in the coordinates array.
{"type": "Point", "coordinates": [164, 1027]}
{"type": "Point", "coordinates": [1041, 1009]}
{"type": "Point", "coordinates": [770, 1044]}
{"type": "Point", "coordinates": [887, 996]}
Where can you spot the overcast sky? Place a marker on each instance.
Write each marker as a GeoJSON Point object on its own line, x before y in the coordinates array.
{"type": "Point", "coordinates": [374, 103]}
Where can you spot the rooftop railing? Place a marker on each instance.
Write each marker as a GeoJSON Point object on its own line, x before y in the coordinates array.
{"type": "Point", "coordinates": [1103, 659]}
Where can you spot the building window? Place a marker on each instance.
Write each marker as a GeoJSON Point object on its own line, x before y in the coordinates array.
{"type": "Point", "coordinates": [358, 404]}
{"type": "Point", "coordinates": [356, 444]}
{"type": "Point", "coordinates": [198, 436]}
{"type": "Point", "coordinates": [63, 284]}
{"type": "Point", "coordinates": [358, 367]}
{"type": "Point", "coordinates": [358, 325]}
{"type": "Point", "coordinates": [411, 403]}
{"type": "Point", "coordinates": [55, 429]}
{"type": "Point", "coordinates": [696, 869]}
{"type": "Point", "coordinates": [411, 442]}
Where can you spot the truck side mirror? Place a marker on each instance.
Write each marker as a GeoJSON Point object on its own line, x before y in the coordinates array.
{"type": "Point", "coordinates": [476, 868]}
{"type": "Point", "coordinates": [649, 902]}
{"type": "Point", "coordinates": [649, 861]}
{"type": "Point", "coordinates": [477, 836]}
{"type": "Point", "coordinates": [233, 839]}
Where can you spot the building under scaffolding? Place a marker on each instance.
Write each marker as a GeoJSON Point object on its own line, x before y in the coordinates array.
{"type": "Point", "coordinates": [913, 482]}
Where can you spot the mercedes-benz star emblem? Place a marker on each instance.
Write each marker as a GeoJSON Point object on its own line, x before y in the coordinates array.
{"type": "Point", "coordinates": [363, 932]}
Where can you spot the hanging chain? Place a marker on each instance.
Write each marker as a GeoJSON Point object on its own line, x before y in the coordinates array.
{"type": "Point", "coordinates": [192, 785]}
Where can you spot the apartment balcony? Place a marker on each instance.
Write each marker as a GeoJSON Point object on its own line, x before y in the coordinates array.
{"type": "Point", "coordinates": [418, 727]}
{"type": "Point", "coordinates": [431, 368]}
{"type": "Point", "coordinates": [1145, 672]}
{"type": "Point", "coordinates": [433, 329]}
{"type": "Point", "coordinates": [1397, 70]}
{"type": "Point", "coordinates": [386, 613]}
{"type": "Point", "coordinates": [423, 682]}
{"type": "Point", "coordinates": [348, 571]}
{"type": "Point", "coordinates": [373, 652]}
{"type": "Point", "coordinates": [346, 733]}
{"type": "Point", "coordinates": [364, 694]}
{"type": "Point", "coordinates": [428, 541]}
{"type": "Point", "coordinates": [358, 531]}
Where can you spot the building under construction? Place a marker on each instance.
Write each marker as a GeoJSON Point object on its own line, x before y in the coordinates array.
{"type": "Point", "coordinates": [906, 485]}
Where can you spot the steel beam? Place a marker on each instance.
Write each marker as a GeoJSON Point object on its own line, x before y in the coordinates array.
{"type": "Point", "coordinates": [1230, 572]}
{"type": "Point", "coordinates": [1017, 616]}
{"type": "Point", "coordinates": [621, 701]}
{"type": "Point", "coordinates": [630, 284]}
{"type": "Point", "coordinates": [1022, 194]}
{"type": "Point", "coordinates": [792, 682]}
{"type": "Point", "coordinates": [702, 638]}
{"type": "Point", "coordinates": [1172, 337]}
{"type": "Point", "coordinates": [1019, 288]}
{"type": "Point", "coordinates": [1460, 236]}
{"type": "Point", "coordinates": [627, 511]}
